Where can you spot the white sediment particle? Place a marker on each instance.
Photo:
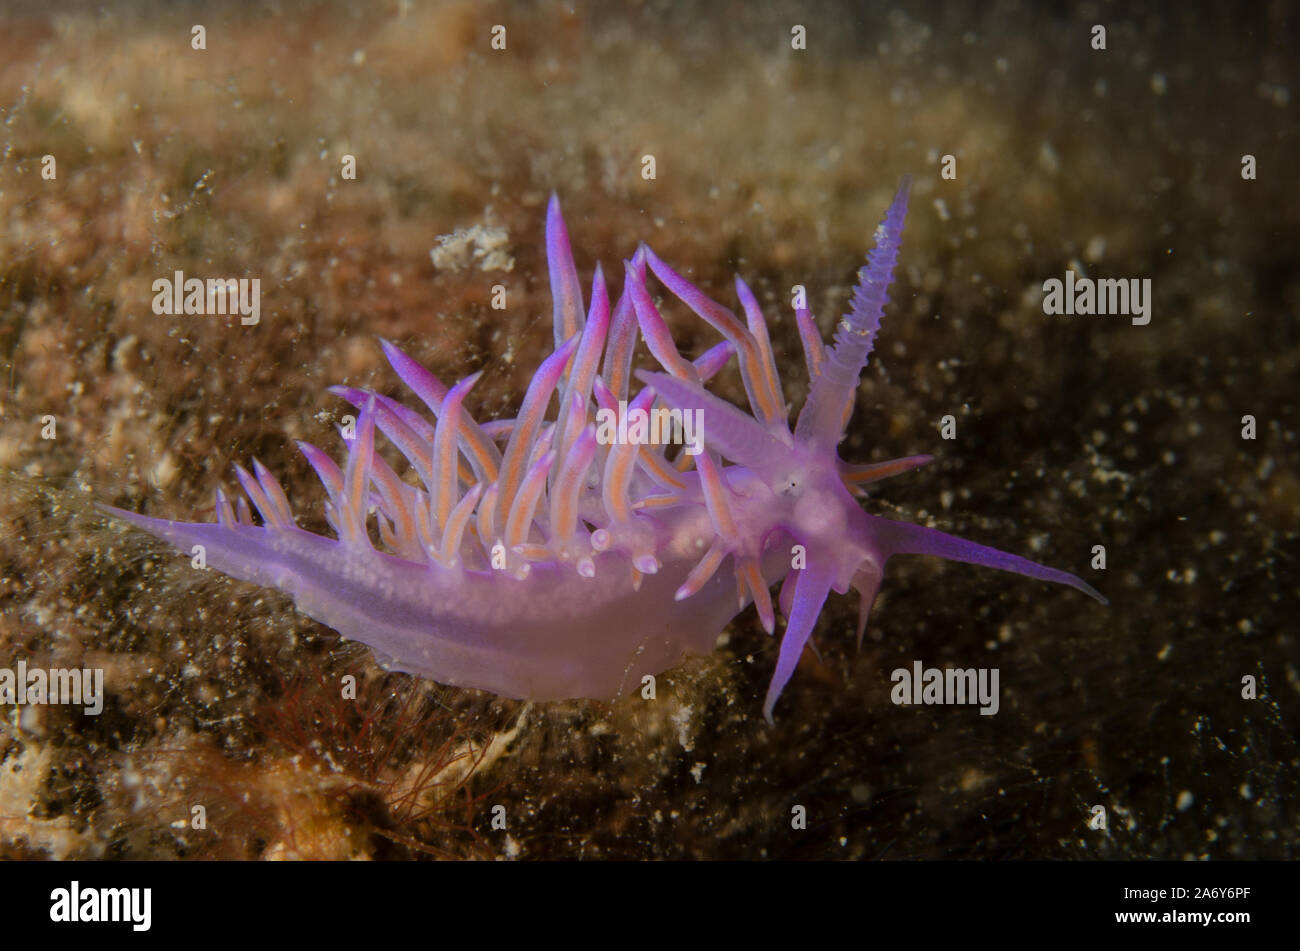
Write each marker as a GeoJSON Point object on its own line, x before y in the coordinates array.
{"type": "Point", "coordinates": [484, 246]}
{"type": "Point", "coordinates": [1103, 470]}
{"type": "Point", "coordinates": [1048, 160]}
{"type": "Point", "coordinates": [22, 777]}
{"type": "Point", "coordinates": [164, 472]}
{"type": "Point", "coordinates": [682, 719]}
{"type": "Point", "coordinates": [1279, 95]}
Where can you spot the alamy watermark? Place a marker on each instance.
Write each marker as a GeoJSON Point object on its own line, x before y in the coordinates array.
{"type": "Point", "coordinates": [78, 904]}
{"type": "Point", "coordinates": [951, 685]}
{"type": "Point", "coordinates": [58, 686]}
{"type": "Point", "coordinates": [223, 295]}
{"type": "Point", "coordinates": [1083, 296]}
{"type": "Point", "coordinates": [654, 427]}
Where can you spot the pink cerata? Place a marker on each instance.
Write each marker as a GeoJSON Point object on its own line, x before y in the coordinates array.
{"type": "Point", "coordinates": [551, 557]}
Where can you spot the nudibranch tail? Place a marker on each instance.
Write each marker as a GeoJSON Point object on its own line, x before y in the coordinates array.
{"type": "Point", "coordinates": [569, 553]}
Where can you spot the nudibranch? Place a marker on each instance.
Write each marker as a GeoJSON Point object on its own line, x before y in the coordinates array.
{"type": "Point", "coordinates": [566, 555]}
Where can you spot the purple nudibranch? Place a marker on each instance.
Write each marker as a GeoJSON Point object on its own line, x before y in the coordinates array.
{"type": "Point", "coordinates": [539, 558]}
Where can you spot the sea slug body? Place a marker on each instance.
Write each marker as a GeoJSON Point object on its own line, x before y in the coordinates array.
{"type": "Point", "coordinates": [537, 557]}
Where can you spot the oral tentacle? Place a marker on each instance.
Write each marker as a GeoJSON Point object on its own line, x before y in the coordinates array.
{"type": "Point", "coordinates": [904, 538]}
